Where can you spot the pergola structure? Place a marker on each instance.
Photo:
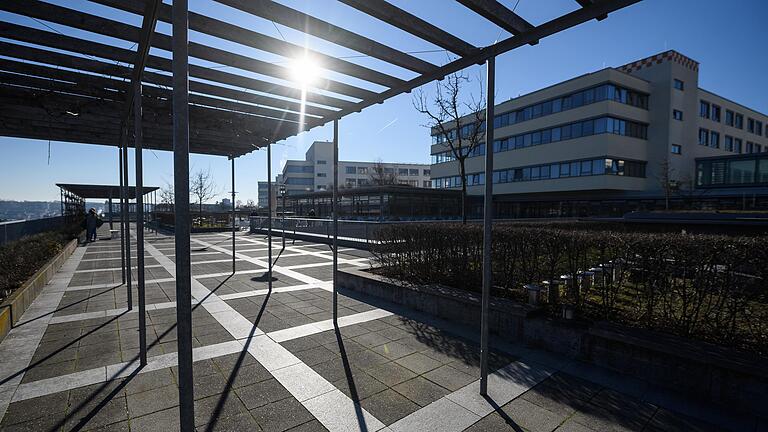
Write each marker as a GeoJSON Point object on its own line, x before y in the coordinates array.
{"type": "Point", "coordinates": [79, 89]}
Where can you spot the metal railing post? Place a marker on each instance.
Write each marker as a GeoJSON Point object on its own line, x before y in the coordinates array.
{"type": "Point", "coordinates": [140, 220]}
{"type": "Point", "coordinates": [269, 215]}
{"type": "Point", "coordinates": [335, 207]}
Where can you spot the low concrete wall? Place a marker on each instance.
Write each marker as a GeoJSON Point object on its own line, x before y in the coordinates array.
{"type": "Point", "coordinates": [14, 306]}
{"type": "Point", "coordinates": [505, 318]}
{"type": "Point", "coordinates": [697, 370]}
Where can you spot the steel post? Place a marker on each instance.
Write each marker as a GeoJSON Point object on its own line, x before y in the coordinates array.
{"type": "Point", "coordinates": [233, 214]}
{"type": "Point", "coordinates": [335, 209]}
{"type": "Point", "coordinates": [122, 203]}
{"type": "Point", "coordinates": [140, 220]}
{"type": "Point", "coordinates": [269, 215]}
{"type": "Point", "coordinates": [127, 213]}
{"type": "Point", "coordinates": [487, 224]}
{"type": "Point", "coordinates": [183, 222]}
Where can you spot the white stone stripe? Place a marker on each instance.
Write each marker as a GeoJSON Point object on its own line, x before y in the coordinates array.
{"type": "Point", "coordinates": [19, 345]}
{"type": "Point", "coordinates": [106, 373]}
{"type": "Point", "coordinates": [172, 304]}
{"type": "Point", "coordinates": [115, 269]}
{"type": "Point", "coordinates": [359, 262]}
{"type": "Point", "coordinates": [330, 406]}
{"type": "Point", "coordinates": [321, 254]}
{"type": "Point", "coordinates": [321, 326]}
{"type": "Point", "coordinates": [457, 411]}
{"type": "Point", "coordinates": [114, 284]}
{"type": "Point", "coordinates": [107, 259]}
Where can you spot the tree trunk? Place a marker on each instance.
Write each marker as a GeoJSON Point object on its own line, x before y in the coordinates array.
{"type": "Point", "coordinates": [463, 174]}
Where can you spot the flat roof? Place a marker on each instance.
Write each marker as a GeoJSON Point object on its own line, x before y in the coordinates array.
{"type": "Point", "coordinates": [97, 191]}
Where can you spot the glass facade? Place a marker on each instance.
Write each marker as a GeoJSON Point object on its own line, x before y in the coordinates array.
{"type": "Point", "coordinates": [574, 100]}
{"type": "Point", "coordinates": [559, 133]}
{"type": "Point", "coordinates": [732, 171]}
{"type": "Point", "coordinates": [578, 168]}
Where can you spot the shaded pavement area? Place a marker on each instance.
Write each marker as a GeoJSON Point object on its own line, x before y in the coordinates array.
{"type": "Point", "coordinates": [274, 361]}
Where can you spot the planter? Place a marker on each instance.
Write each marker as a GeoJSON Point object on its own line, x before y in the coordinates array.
{"type": "Point", "coordinates": [695, 369]}
{"type": "Point", "coordinates": [14, 306]}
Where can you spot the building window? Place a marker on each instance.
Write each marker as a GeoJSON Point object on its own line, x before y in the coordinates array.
{"type": "Point", "coordinates": [299, 169]}
{"type": "Point", "coordinates": [413, 172]}
{"type": "Point", "coordinates": [677, 149]}
{"type": "Point", "coordinates": [758, 148]}
{"type": "Point", "coordinates": [737, 145]}
{"type": "Point", "coordinates": [750, 147]}
{"type": "Point", "coordinates": [321, 187]}
{"type": "Point", "coordinates": [362, 182]}
{"type": "Point", "coordinates": [751, 125]}
{"type": "Point", "coordinates": [322, 175]}
{"type": "Point", "coordinates": [321, 162]}
{"type": "Point", "coordinates": [679, 84]}
{"type": "Point", "coordinates": [351, 170]}
{"type": "Point", "coordinates": [402, 171]}
{"type": "Point", "coordinates": [714, 140]}
{"type": "Point", "coordinates": [426, 184]}
{"type": "Point", "coordinates": [704, 109]}
{"type": "Point", "coordinates": [758, 127]}
{"type": "Point", "coordinates": [677, 115]}
{"type": "Point", "coordinates": [729, 117]}
{"type": "Point", "coordinates": [728, 143]}
{"type": "Point", "coordinates": [738, 121]}
{"type": "Point", "coordinates": [715, 113]}
{"type": "Point", "coordinates": [426, 172]}
{"type": "Point", "coordinates": [362, 170]}
{"type": "Point", "coordinates": [703, 137]}
{"type": "Point", "coordinates": [389, 170]}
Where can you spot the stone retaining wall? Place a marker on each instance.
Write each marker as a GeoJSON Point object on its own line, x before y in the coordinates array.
{"type": "Point", "coordinates": [697, 370]}
{"type": "Point", "coordinates": [14, 306]}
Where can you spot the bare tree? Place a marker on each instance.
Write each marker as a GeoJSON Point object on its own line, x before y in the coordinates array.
{"type": "Point", "coordinates": [457, 120]}
{"type": "Point", "coordinates": [166, 197]}
{"type": "Point", "coordinates": [202, 187]}
{"type": "Point", "coordinates": [380, 177]}
{"type": "Point", "coordinates": [665, 181]}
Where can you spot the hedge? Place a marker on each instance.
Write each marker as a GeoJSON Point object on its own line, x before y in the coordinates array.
{"type": "Point", "coordinates": [20, 259]}
{"type": "Point", "coordinates": [706, 287]}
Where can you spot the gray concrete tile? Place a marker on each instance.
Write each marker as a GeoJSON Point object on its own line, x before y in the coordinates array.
{"type": "Point", "coordinates": [421, 390]}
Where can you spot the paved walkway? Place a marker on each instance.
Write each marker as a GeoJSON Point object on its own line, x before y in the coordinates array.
{"type": "Point", "coordinates": [273, 361]}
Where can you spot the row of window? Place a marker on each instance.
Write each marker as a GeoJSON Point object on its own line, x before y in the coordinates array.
{"type": "Point", "coordinates": [731, 144]}
{"type": "Point", "coordinates": [299, 169]}
{"type": "Point", "coordinates": [564, 103]}
{"type": "Point", "coordinates": [299, 181]}
{"type": "Point", "coordinates": [560, 133]}
{"type": "Point", "coordinates": [713, 112]}
{"type": "Point", "coordinates": [412, 172]}
{"type": "Point", "coordinates": [580, 168]}
{"type": "Point", "coordinates": [732, 172]}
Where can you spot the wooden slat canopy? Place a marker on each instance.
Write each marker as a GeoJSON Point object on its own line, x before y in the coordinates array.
{"type": "Point", "coordinates": [64, 86]}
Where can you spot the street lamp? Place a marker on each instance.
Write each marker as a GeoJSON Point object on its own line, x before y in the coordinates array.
{"type": "Point", "coordinates": [282, 194]}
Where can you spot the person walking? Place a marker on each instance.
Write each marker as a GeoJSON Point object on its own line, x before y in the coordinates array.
{"type": "Point", "coordinates": [91, 223]}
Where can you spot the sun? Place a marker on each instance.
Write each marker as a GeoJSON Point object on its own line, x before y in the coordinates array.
{"type": "Point", "coordinates": [304, 70]}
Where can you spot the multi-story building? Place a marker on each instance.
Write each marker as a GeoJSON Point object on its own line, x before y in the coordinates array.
{"type": "Point", "coordinates": [315, 172]}
{"type": "Point", "coordinates": [263, 188]}
{"type": "Point", "coordinates": [616, 137]}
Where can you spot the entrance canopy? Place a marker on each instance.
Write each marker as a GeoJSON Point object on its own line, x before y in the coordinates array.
{"type": "Point", "coordinates": [93, 191]}
{"type": "Point", "coordinates": [75, 84]}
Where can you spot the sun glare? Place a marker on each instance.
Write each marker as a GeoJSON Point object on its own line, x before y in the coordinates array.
{"type": "Point", "coordinates": [304, 70]}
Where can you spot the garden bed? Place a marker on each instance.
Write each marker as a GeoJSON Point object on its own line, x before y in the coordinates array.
{"type": "Point", "coordinates": [696, 369]}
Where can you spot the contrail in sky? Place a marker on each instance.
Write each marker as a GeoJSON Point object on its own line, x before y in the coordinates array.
{"type": "Point", "coordinates": [388, 125]}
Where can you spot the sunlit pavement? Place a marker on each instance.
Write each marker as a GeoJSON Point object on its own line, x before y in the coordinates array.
{"type": "Point", "coordinates": [273, 361]}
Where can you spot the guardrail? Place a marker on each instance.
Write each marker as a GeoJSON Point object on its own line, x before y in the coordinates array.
{"type": "Point", "coordinates": [14, 230]}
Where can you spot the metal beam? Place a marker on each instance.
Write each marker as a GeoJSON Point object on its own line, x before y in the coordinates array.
{"type": "Point", "coordinates": [587, 3]}
{"type": "Point", "coordinates": [269, 215]}
{"type": "Point", "coordinates": [182, 223]}
{"type": "Point", "coordinates": [122, 205]}
{"type": "Point", "coordinates": [231, 32]}
{"type": "Point", "coordinates": [308, 24]}
{"type": "Point", "coordinates": [412, 24]}
{"type": "Point", "coordinates": [498, 14]}
{"type": "Point", "coordinates": [151, 8]}
{"type": "Point", "coordinates": [487, 226]}
{"type": "Point", "coordinates": [137, 137]}
{"type": "Point", "coordinates": [549, 28]}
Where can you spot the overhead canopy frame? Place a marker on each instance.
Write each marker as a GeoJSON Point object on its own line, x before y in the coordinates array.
{"type": "Point", "coordinates": [97, 191]}
{"type": "Point", "coordinates": [79, 88]}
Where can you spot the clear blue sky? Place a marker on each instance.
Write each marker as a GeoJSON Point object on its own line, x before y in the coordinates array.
{"type": "Point", "coordinates": [727, 38]}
